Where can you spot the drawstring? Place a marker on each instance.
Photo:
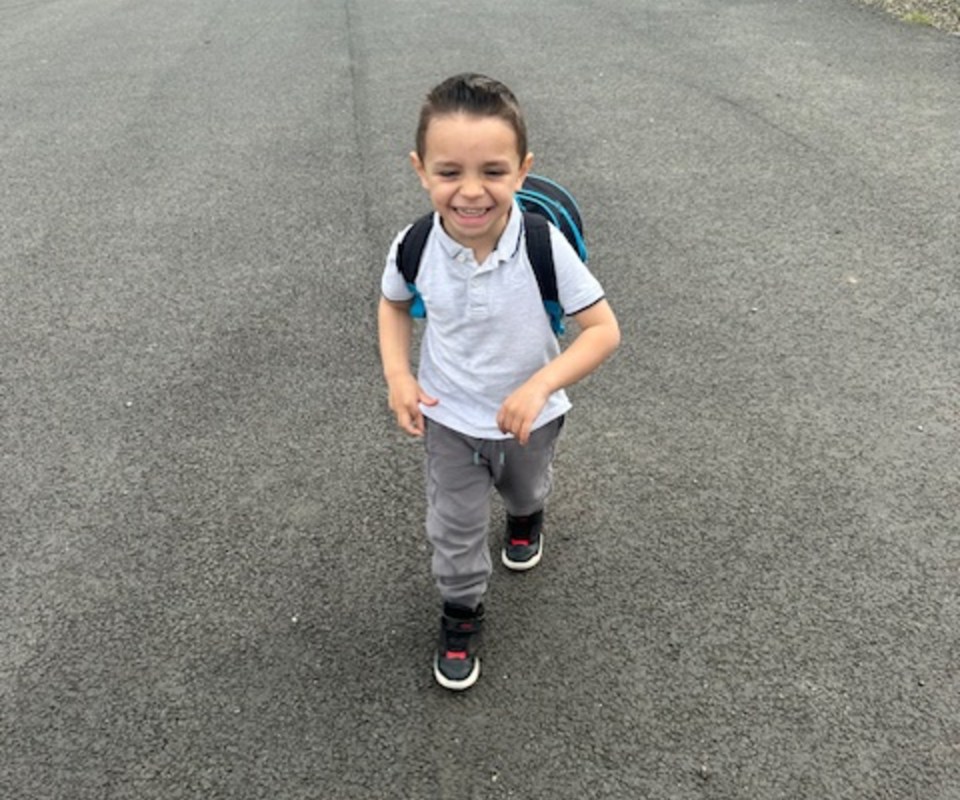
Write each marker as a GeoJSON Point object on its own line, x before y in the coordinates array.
{"type": "Point", "coordinates": [502, 457]}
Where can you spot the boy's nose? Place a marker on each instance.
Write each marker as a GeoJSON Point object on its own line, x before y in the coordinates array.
{"type": "Point", "coordinates": [471, 187]}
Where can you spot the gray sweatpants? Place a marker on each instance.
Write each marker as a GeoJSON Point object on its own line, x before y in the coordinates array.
{"type": "Point", "coordinates": [461, 472]}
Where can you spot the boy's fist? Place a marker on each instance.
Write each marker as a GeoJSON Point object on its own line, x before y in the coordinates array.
{"type": "Point", "coordinates": [521, 409]}
{"type": "Point", "coordinates": [405, 397]}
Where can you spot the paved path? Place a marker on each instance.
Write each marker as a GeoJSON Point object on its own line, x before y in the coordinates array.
{"type": "Point", "coordinates": [214, 582]}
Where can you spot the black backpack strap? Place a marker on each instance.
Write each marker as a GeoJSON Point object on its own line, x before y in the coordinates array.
{"type": "Point", "coordinates": [540, 253]}
{"type": "Point", "coordinates": [410, 249]}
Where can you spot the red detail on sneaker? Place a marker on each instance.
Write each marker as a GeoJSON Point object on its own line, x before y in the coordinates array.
{"type": "Point", "coordinates": [456, 655]}
{"type": "Point", "coordinates": [519, 542]}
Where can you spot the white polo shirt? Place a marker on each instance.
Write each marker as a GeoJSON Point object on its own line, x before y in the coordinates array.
{"type": "Point", "coordinates": [486, 329]}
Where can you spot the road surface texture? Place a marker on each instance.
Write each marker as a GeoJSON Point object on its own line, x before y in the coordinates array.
{"type": "Point", "coordinates": [215, 582]}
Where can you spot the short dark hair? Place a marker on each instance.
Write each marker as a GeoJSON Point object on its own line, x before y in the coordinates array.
{"type": "Point", "coordinates": [478, 95]}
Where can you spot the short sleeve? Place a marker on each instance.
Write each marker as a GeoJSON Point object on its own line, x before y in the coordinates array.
{"type": "Point", "coordinates": [577, 287]}
{"type": "Point", "coordinates": [392, 284]}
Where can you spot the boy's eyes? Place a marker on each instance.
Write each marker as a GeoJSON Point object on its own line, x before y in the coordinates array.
{"type": "Point", "coordinates": [490, 172]}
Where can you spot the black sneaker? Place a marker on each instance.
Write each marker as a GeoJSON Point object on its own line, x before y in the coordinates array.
{"type": "Point", "coordinates": [457, 665]}
{"type": "Point", "coordinates": [523, 542]}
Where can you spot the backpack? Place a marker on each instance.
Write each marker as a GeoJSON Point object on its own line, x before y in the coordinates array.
{"type": "Point", "coordinates": [543, 202]}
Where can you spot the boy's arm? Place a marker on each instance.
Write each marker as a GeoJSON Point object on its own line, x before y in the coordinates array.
{"type": "Point", "coordinates": [599, 336]}
{"type": "Point", "coordinates": [405, 394]}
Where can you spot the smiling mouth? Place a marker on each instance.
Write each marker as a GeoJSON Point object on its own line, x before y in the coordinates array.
{"type": "Point", "coordinates": [472, 212]}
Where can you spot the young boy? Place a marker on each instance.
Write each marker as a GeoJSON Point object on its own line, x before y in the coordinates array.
{"type": "Point", "coordinates": [488, 398]}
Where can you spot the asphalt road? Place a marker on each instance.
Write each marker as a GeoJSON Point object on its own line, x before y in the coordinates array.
{"type": "Point", "coordinates": [215, 583]}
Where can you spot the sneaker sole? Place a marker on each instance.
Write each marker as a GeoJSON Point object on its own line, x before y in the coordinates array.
{"type": "Point", "coordinates": [456, 686]}
{"type": "Point", "coordinates": [522, 566]}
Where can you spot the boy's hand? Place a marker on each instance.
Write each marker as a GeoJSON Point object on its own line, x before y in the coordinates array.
{"type": "Point", "coordinates": [521, 409]}
{"type": "Point", "coordinates": [405, 397]}
{"type": "Point", "coordinates": [598, 338]}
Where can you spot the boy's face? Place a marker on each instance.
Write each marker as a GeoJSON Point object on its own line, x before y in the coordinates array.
{"type": "Point", "coordinates": [471, 169]}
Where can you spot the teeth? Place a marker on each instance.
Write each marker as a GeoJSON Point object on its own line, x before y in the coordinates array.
{"type": "Point", "coordinates": [472, 212]}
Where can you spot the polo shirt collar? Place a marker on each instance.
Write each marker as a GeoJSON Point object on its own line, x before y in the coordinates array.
{"type": "Point", "coordinates": [507, 245]}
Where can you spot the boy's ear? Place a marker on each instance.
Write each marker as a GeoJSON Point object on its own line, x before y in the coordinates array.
{"type": "Point", "coordinates": [525, 169]}
{"type": "Point", "coordinates": [419, 169]}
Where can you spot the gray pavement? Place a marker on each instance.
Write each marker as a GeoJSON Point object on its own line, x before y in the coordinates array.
{"type": "Point", "coordinates": [215, 583]}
